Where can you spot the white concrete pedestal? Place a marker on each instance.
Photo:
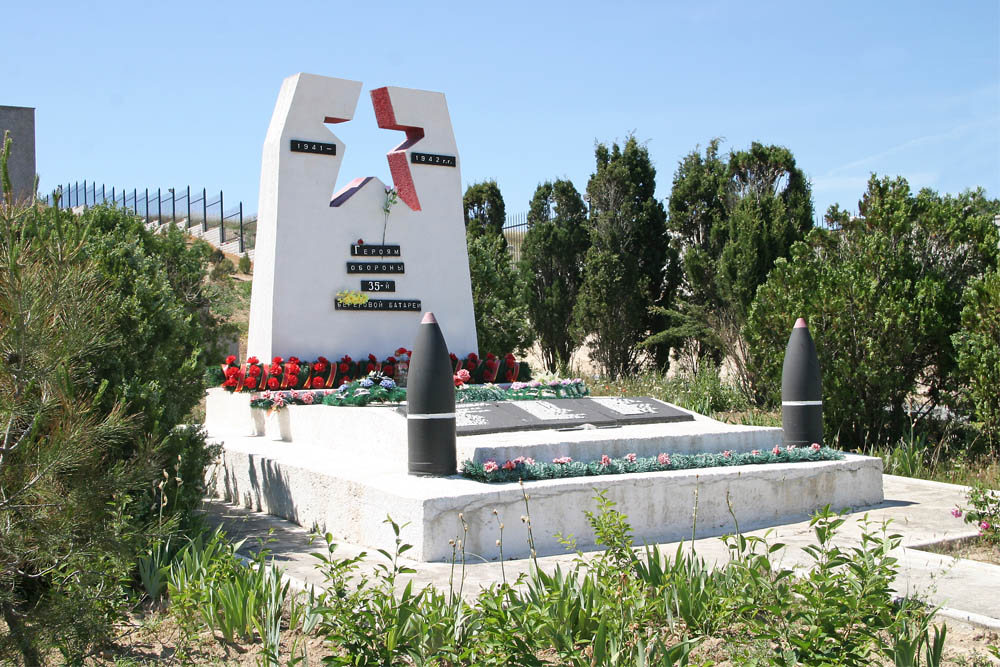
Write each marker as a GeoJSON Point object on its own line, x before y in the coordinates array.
{"type": "Point", "coordinates": [343, 470]}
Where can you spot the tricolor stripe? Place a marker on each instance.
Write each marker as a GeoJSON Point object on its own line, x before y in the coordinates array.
{"type": "Point", "coordinates": [793, 404]}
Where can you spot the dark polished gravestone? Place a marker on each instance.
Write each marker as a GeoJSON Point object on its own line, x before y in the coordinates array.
{"type": "Point", "coordinates": [564, 413]}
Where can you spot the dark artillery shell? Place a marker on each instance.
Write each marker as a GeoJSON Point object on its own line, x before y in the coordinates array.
{"type": "Point", "coordinates": [801, 390]}
{"type": "Point", "coordinates": [430, 400]}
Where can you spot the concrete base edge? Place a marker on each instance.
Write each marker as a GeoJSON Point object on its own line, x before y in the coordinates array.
{"type": "Point", "coordinates": [353, 503]}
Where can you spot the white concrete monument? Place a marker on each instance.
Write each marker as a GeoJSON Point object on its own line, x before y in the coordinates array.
{"type": "Point", "coordinates": [408, 258]}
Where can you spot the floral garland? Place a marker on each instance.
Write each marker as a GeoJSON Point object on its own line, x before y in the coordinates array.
{"type": "Point", "coordinates": [294, 373]}
{"type": "Point", "coordinates": [378, 388]}
{"type": "Point", "coordinates": [525, 468]}
{"type": "Point", "coordinates": [486, 371]}
{"type": "Point", "coordinates": [375, 388]}
{"type": "Point", "coordinates": [518, 391]}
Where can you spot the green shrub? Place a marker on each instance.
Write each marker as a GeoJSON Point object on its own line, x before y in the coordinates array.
{"type": "Point", "coordinates": [731, 218]}
{"type": "Point", "coordinates": [879, 295]}
{"type": "Point", "coordinates": [978, 347]}
{"type": "Point", "coordinates": [484, 210]}
{"type": "Point", "coordinates": [186, 455]}
{"type": "Point", "coordinates": [984, 512]}
{"type": "Point", "coordinates": [244, 265]}
{"type": "Point", "coordinates": [222, 269]}
{"type": "Point", "coordinates": [629, 266]}
{"type": "Point", "coordinates": [101, 326]}
{"type": "Point", "coordinates": [73, 461]}
{"type": "Point", "coordinates": [551, 268]}
{"type": "Point", "coordinates": [501, 317]}
{"type": "Point", "coordinates": [157, 283]}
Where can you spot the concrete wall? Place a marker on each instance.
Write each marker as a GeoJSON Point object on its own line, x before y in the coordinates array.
{"type": "Point", "coordinates": [20, 121]}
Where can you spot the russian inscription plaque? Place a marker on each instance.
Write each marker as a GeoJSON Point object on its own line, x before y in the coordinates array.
{"type": "Point", "coordinates": [430, 158]}
{"type": "Point", "coordinates": [300, 146]}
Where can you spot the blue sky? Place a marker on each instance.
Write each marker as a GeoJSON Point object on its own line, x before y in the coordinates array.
{"type": "Point", "coordinates": [166, 95]}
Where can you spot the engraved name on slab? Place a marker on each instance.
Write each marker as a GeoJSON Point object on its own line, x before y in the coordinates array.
{"type": "Point", "coordinates": [624, 406]}
{"type": "Point", "coordinates": [471, 415]}
{"type": "Point", "coordinates": [546, 411]}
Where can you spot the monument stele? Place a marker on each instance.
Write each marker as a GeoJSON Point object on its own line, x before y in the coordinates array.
{"type": "Point", "coordinates": [313, 243]}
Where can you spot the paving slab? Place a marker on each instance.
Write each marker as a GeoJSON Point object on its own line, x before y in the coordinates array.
{"type": "Point", "coordinates": [917, 510]}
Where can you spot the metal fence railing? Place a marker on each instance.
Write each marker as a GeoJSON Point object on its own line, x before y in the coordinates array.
{"type": "Point", "coordinates": [196, 210]}
{"type": "Point", "coordinates": [515, 228]}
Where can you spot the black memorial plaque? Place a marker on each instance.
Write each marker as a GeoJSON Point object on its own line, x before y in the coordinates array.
{"type": "Point", "coordinates": [375, 267]}
{"type": "Point", "coordinates": [430, 158]}
{"type": "Point", "coordinates": [480, 418]}
{"type": "Point", "coordinates": [564, 413]}
{"type": "Point", "coordinates": [377, 305]}
{"type": "Point", "coordinates": [637, 410]}
{"type": "Point", "coordinates": [300, 146]}
{"type": "Point", "coordinates": [378, 285]}
{"type": "Point", "coordinates": [483, 418]}
{"type": "Point", "coordinates": [362, 250]}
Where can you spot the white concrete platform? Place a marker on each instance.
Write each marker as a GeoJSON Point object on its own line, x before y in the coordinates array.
{"type": "Point", "coordinates": [317, 488]}
{"type": "Point", "coordinates": [343, 470]}
{"type": "Point", "coordinates": [339, 430]}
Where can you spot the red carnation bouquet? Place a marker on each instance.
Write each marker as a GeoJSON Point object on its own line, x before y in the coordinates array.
{"type": "Point", "coordinates": [293, 373]}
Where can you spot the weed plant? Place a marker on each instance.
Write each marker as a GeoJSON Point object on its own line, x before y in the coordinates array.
{"type": "Point", "coordinates": [984, 513]}
{"type": "Point", "coordinates": [625, 605]}
{"type": "Point", "coordinates": [703, 392]}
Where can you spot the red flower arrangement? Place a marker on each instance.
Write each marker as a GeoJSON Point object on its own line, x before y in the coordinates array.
{"type": "Point", "coordinates": [322, 373]}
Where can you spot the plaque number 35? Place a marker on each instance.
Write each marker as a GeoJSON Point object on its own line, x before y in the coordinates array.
{"type": "Point", "coordinates": [374, 285]}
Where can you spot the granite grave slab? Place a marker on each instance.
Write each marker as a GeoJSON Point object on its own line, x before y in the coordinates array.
{"type": "Point", "coordinates": [561, 414]}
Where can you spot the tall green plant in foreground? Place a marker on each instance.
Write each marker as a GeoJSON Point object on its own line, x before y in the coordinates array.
{"type": "Point", "coordinates": [620, 606]}
{"type": "Point", "coordinates": [66, 535]}
{"type": "Point", "coordinates": [100, 328]}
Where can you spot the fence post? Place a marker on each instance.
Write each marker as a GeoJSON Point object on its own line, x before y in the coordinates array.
{"type": "Point", "coordinates": [241, 229]}
{"type": "Point", "coordinates": [173, 207]}
{"type": "Point", "coordinates": [159, 207]}
{"type": "Point", "coordinates": [222, 221]}
{"type": "Point", "coordinates": [145, 205]}
{"type": "Point", "coordinates": [84, 193]}
{"type": "Point", "coordinates": [188, 223]}
{"type": "Point", "coordinates": [104, 194]}
{"type": "Point", "coordinates": [204, 210]}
